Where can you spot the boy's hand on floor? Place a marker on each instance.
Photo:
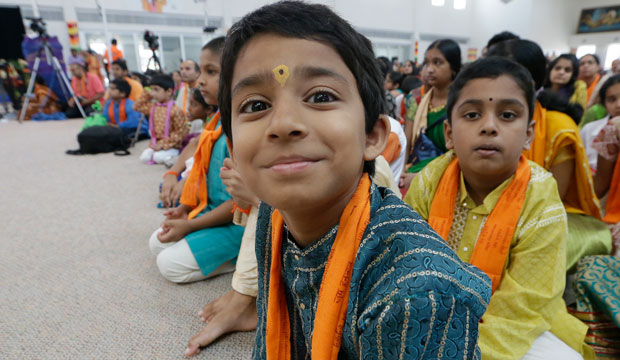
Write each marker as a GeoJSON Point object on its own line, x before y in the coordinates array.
{"type": "Point", "coordinates": [167, 188]}
{"type": "Point", "coordinates": [155, 147]}
{"type": "Point", "coordinates": [173, 230]}
{"type": "Point", "coordinates": [235, 186]}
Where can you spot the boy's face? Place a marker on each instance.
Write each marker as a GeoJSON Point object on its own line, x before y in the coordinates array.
{"type": "Point", "coordinates": [388, 84]}
{"type": "Point", "coordinates": [159, 94]}
{"type": "Point", "coordinates": [489, 128]}
{"type": "Point", "coordinates": [298, 123]}
{"type": "Point", "coordinates": [209, 75]}
{"type": "Point", "coordinates": [117, 71]}
{"type": "Point", "coordinates": [115, 94]}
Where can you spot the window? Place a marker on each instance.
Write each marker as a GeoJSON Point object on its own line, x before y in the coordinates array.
{"type": "Point", "coordinates": [584, 50]}
{"type": "Point", "coordinates": [613, 53]}
{"type": "Point", "coordinates": [460, 4]}
{"type": "Point", "coordinates": [171, 48]}
{"type": "Point", "coordinates": [126, 44]}
{"type": "Point", "coordinates": [438, 2]}
{"type": "Point", "coordinates": [192, 45]}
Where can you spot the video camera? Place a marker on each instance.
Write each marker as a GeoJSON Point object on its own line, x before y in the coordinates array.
{"type": "Point", "coordinates": [38, 26]}
{"type": "Point", "coordinates": [151, 40]}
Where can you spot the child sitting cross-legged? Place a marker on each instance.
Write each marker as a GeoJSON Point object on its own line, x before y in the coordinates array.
{"type": "Point", "coordinates": [119, 110]}
{"type": "Point", "coordinates": [346, 270]}
{"type": "Point", "coordinates": [502, 213]}
{"type": "Point", "coordinates": [166, 121]}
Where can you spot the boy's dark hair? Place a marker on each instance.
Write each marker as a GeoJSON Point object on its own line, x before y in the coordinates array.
{"type": "Point", "coordinates": [318, 23]}
{"type": "Point", "coordinates": [552, 101]}
{"type": "Point", "coordinates": [594, 56]}
{"type": "Point", "coordinates": [143, 79]}
{"type": "Point", "coordinates": [121, 63]}
{"type": "Point", "coordinates": [492, 68]}
{"type": "Point", "coordinates": [39, 80]}
{"type": "Point", "coordinates": [602, 93]}
{"type": "Point", "coordinates": [567, 90]}
{"type": "Point", "coordinates": [113, 41]}
{"type": "Point", "coordinates": [162, 80]}
{"type": "Point", "coordinates": [215, 45]}
{"type": "Point", "coordinates": [122, 86]}
{"type": "Point", "coordinates": [451, 51]}
{"type": "Point", "coordinates": [409, 83]}
{"type": "Point", "coordinates": [526, 53]}
{"type": "Point", "coordinates": [503, 36]}
{"type": "Point", "coordinates": [396, 77]}
{"type": "Point", "coordinates": [197, 96]}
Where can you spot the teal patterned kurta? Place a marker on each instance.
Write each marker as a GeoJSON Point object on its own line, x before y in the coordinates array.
{"type": "Point", "coordinates": [410, 296]}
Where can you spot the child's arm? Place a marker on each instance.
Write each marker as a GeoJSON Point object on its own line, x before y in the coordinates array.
{"type": "Point", "coordinates": [177, 229]}
{"type": "Point", "coordinates": [235, 186]}
{"type": "Point", "coordinates": [607, 144]}
{"type": "Point", "coordinates": [169, 191]}
{"type": "Point", "coordinates": [178, 130]}
{"type": "Point", "coordinates": [144, 103]}
{"type": "Point", "coordinates": [133, 117]}
{"type": "Point", "coordinates": [604, 174]}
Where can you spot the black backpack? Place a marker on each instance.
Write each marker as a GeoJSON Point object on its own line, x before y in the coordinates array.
{"type": "Point", "coordinates": [103, 139]}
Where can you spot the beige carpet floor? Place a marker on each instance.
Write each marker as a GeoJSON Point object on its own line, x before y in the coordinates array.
{"type": "Point", "coordinates": [77, 279]}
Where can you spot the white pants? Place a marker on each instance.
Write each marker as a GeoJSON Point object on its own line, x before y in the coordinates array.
{"type": "Point", "coordinates": [245, 278]}
{"type": "Point", "coordinates": [549, 347]}
{"type": "Point", "coordinates": [177, 263]}
{"type": "Point", "coordinates": [159, 157]}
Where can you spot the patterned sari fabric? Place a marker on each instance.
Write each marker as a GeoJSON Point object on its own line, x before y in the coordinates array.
{"type": "Point", "coordinates": [597, 287]}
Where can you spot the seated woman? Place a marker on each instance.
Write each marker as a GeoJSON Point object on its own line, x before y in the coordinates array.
{"type": "Point", "coordinates": [43, 100]}
{"type": "Point", "coordinates": [561, 78]}
{"type": "Point", "coordinates": [442, 62]}
{"type": "Point", "coordinates": [558, 148]}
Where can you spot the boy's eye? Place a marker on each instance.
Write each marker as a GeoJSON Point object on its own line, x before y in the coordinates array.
{"type": "Point", "coordinates": [508, 115]}
{"type": "Point", "coordinates": [254, 106]}
{"type": "Point", "coordinates": [321, 97]}
{"type": "Point", "coordinates": [471, 115]}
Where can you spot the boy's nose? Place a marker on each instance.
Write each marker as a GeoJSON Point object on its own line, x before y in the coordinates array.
{"type": "Point", "coordinates": [489, 125]}
{"type": "Point", "coordinates": [286, 124]}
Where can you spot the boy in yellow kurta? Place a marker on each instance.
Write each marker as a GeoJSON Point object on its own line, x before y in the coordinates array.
{"type": "Point", "coordinates": [502, 213]}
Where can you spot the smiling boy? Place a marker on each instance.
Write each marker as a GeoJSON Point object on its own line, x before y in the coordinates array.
{"type": "Point", "coordinates": [346, 270]}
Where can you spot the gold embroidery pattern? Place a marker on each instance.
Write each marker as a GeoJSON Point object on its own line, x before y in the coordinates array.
{"type": "Point", "coordinates": [403, 335]}
{"type": "Point", "coordinates": [445, 330]}
{"type": "Point", "coordinates": [431, 296]}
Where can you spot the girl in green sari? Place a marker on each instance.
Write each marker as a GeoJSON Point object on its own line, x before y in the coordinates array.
{"type": "Point", "coordinates": [442, 61]}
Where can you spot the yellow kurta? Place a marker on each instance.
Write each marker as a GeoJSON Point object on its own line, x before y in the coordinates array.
{"type": "Point", "coordinates": [556, 140]}
{"type": "Point", "coordinates": [528, 300]}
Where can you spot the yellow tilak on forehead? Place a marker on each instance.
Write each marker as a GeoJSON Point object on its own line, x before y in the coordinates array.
{"type": "Point", "coordinates": [281, 73]}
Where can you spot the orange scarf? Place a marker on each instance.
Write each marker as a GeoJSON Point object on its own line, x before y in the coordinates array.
{"type": "Point", "coordinates": [538, 147]}
{"type": "Point", "coordinates": [185, 98]}
{"type": "Point", "coordinates": [612, 209]}
{"type": "Point", "coordinates": [82, 89]}
{"type": "Point", "coordinates": [195, 186]}
{"type": "Point", "coordinates": [593, 85]}
{"type": "Point", "coordinates": [334, 292]}
{"type": "Point", "coordinates": [122, 114]}
{"type": "Point", "coordinates": [491, 250]}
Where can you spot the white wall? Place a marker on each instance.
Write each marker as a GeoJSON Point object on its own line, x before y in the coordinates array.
{"type": "Point", "coordinates": [551, 23]}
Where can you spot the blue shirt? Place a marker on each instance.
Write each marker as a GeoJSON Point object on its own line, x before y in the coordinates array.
{"type": "Point", "coordinates": [410, 296]}
{"type": "Point", "coordinates": [133, 117]}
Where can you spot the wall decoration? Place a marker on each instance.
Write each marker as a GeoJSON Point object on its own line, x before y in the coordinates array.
{"type": "Point", "coordinates": [74, 34]}
{"type": "Point", "coordinates": [599, 20]}
{"type": "Point", "coordinates": [154, 6]}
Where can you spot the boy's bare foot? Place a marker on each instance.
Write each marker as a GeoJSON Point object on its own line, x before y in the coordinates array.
{"type": "Point", "coordinates": [231, 312]}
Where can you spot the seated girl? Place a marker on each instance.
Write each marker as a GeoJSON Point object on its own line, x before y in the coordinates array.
{"type": "Point", "coordinates": [442, 61]}
{"type": "Point", "coordinates": [562, 76]}
{"type": "Point", "coordinates": [558, 148]}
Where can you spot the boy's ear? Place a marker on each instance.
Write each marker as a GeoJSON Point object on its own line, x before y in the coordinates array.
{"type": "Point", "coordinates": [376, 140]}
{"type": "Point", "coordinates": [529, 133]}
{"type": "Point", "coordinates": [447, 134]}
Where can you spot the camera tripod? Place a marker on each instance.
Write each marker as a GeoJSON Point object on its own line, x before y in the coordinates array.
{"type": "Point", "coordinates": [155, 60]}
{"type": "Point", "coordinates": [60, 75]}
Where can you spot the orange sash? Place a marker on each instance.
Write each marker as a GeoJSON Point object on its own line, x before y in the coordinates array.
{"type": "Point", "coordinates": [195, 186]}
{"type": "Point", "coordinates": [593, 85]}
{"type": "Point", "coordinates": [491, 250]}
{"type": "Point", "coordinates": [612, 209]}
{"type": "Point", "coordinates": [334, 292]}
{"type": "Point", "coordinates": [122, 114]}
